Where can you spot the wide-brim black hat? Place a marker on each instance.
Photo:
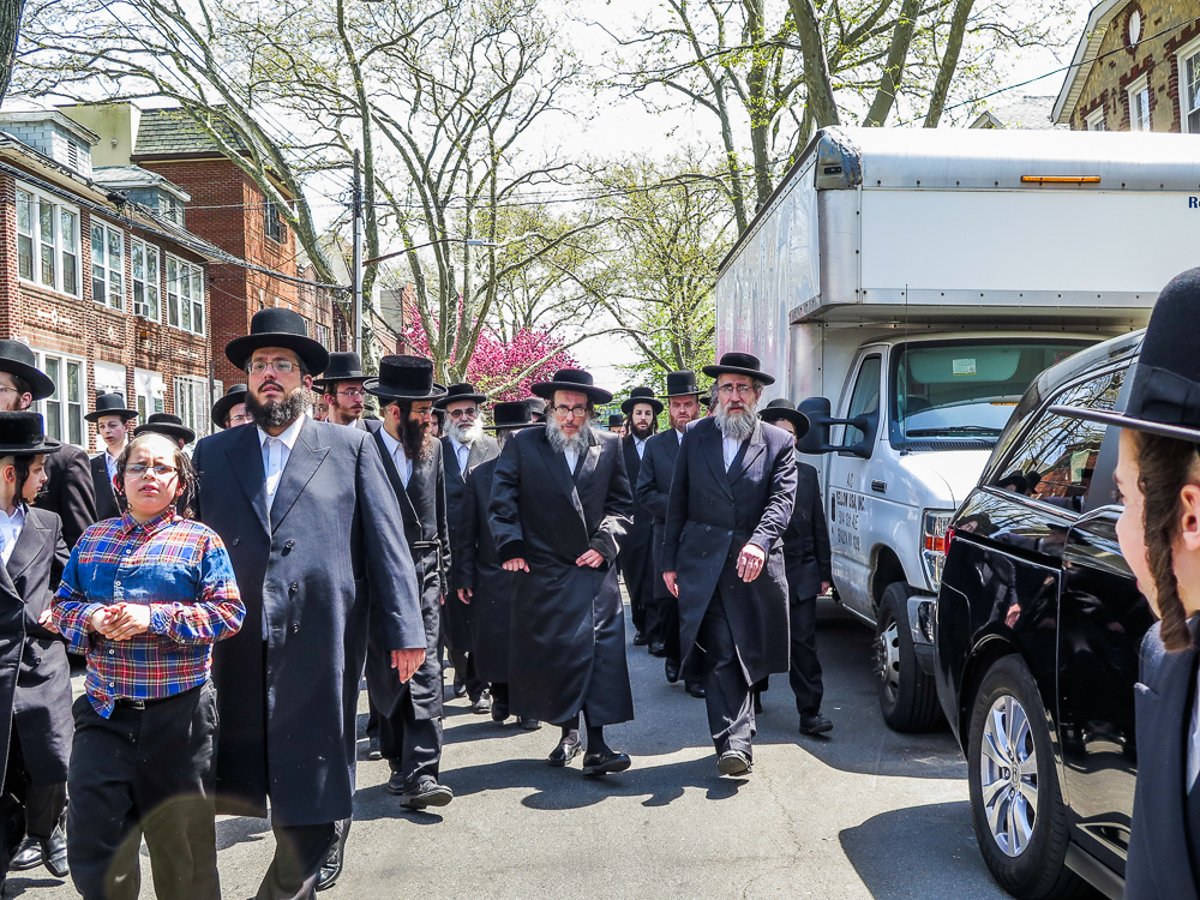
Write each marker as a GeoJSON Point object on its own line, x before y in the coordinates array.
{"type": "Point", "coordinates": [537, 409]}
{"type": "Point", "coordinates": [576, 380]}
{"type": "Point", "coordinates": [342, 366]}
{"type": "Point", "coordinates": [1164, 390]}
{"type": "Point", "coordinates": [404, 377]}
{"type": "Point", "coordinates": [641, 395]}
{"type": "Point", "coordinates": [233, 396]}
{"type": "Point", "coordinates": [511, 415]}
{"type": "Point", "coordinates": [276, 327]}
{"type": "Point", "coordinates": [457, 393]}
{"type": "Point", "coordinates": [168, 425]}
{"type": "Point", "coordinates": [739, 364]}
{"type": "Point", "coordinates": [110, 405]}
{"type": "Point", "coordinates": [17, 359]}
{"type": "Point", "coordinates": [681, 384]}
{"type": "Point", "coordinates": [781, 408]}
{"type": "Point", "coordinates": [24, 434]}
{"type": "Point", "coordinates": [616, 420]}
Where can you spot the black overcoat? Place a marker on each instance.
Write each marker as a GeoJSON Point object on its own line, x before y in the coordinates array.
{"type": "Point", "coordinates": [567, 645]}
{"type": "Point", "coordinates": [652, 488]}
{"type": "Point", "coordinates": [456, 617]}
{"type": "Point", "coordinates": [69, 492]}
{"type": "Point", "coordinates": [1159, 863]}
{"type": "Point", "coordinates": [477, 566]}
{"type": "Point", "coordinates": [35, 678]}
{"type": "Point", "coordinates": [636, 559]}
{"type": "Point", "coordinates": [423, 508]}
{"type": "Point", "coordinates": [711, 515]}
{"type": "Point", "coordinates": [806, 540]}
{"type": "Point", "coordinates": [333, 542]}
{"type": "Point", "coordinates": [106, 497]}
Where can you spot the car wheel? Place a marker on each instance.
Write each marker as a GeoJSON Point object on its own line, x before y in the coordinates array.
{"type": "Point", "coordinates": [907, 697]}
{"type": "Point", "coordinates": [1019, 816]}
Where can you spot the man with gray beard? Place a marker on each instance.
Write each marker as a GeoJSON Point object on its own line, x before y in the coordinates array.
{"type": "Point", "coordinates": [731, 500]}
{"type": "Point", "coordinates": [560, 503]}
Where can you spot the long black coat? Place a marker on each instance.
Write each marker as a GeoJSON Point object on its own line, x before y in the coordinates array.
{"type": "Point", "coordinates": [423, 508]}
{"type": "Point", "coordinates": [106, 497]}
{"type": "Point", "coordinates": [69, 491]}
{"type": "Point", "coordinates": [333, 542]}
{"type": "Point", "coordinates": [1159, 863]}
{"type": "Point", "coordinates": [35, 679]}
{"type": "Point", "coordinates": [651, 490]}
{"type": "Point", "coordinates": [711, 515]}
{"type": "Point", "coordinates": [567, 646]}
{"type": "Point", "coordinates": [636, 559]}
{"type": "Point", "coordinates": [456, 617]}
{"type": "Point", "coordinates": [477, 567]}
{"type": "Point", "coordinates": [806, 540]}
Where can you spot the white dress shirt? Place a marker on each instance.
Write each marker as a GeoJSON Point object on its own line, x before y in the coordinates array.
{"type": "Point", "coordinates": [640, 446]}
{"type": "Point", "coordinates": [396, 450]}
{"type": "Point", "coordinates": [679, 434]}
{"type": "Point", "coordinates": [276, 452]}
{"type": "Point", "coordinates": [571, 455]}
{"type": "Point", "coordinates": [729, 449]}
{"type": "Point", "coordinates": [110, 462]}
{"type": "Point", "coordinates": [10, 530]}
{"type": "Point", "coordinates": [462, 452]}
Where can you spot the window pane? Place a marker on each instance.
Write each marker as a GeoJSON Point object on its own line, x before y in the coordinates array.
{"type": "Point", "coordinates": [70, 275]}
{"type": "Point", "coordinates": [66, 233]}
{"type": "Point", "coordinates": [25, 256]}
{"type": "Point", "coordinates": [74, 428]}
{"type": "Point", "coordinates": [48, 265]}
{"type": "Point", "coordinates": [46, 218]}
{"type": "Point", "coordinates": [24, 212]}
{"type": "Point", "coordinates": [137, 261]}
{"type": "Point", "coordinates": [74, 382]}
{"type": "Point", "coordinates": [172, 291]}
{"type": "Point", "coordinates": [54, 419]}
{"type": "Point", "coordinates": [97, 245]}
{"type": "Point", "coordinates": [115, 251]}
{"type": "Point", "coordinates": [865, 400]}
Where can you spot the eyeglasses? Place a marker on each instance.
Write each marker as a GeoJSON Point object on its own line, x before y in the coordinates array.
{"type": "Point", "coordinates": [742, 389]}
{"type": "Point", "coordinates": [564, 411]}
{"type": "Point", "coordinates": [240, 419]}
{"type": "Point", "coordinates": [470, 412]}
{"type": "Point", "coordinates": [351, 392]}
{"type": "Point", "coordinates": [282, 366]}
{"type": "Point", "coordinates": [140, 470]}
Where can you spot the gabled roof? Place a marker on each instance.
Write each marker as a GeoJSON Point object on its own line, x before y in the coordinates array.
{"type": "Point", "coordinates": [173, 132]}
{"type": "Point", "coordinates": [123, 178]}
{"type": "Point", "coordinates": [1098, 21]}
{"type": "Point", "coordinates": [1015, 111]}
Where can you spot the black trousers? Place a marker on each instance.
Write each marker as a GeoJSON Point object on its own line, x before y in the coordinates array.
{"type": "Point", "coordinates": [464, 671]}
{"type": "Point", "coordinates": [26, 808]}
{"type": "Point", "coordinates": [144, 772]}
{"type": "Point", "coordinates": [728, 696]}
{"type": "Point", "coordinates": [411, 746]}
{"type": "Point", "coordinates": [804, 672]}
{"type": "Point", "coordinates": [299, 852]}
{"type": "Point", "coordinates": [662, 624]}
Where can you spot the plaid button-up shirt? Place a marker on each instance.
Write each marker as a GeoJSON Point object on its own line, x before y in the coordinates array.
{"type": "Point", "coordinates": [181, 569]}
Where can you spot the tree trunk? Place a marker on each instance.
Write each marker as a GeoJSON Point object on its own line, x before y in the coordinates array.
{"type": "Point", "coordinates": [823, 107]}
{"type": "Point", "coordinates": [10, 27]}
{"type": "Point", "coordinates": [893, 69]}
{"type": "Point", "coordinates": [954, 42]}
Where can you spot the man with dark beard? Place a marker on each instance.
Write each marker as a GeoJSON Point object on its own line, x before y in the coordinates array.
{"type": "Point", "coordinates": [341, 387]}
{"type": "Point", "coordinates": [560, 503]}
{"type": "Point", "coordinates": [464, 446]}
{"type": "Point", "coordinates": [730, 503]}
{"type": "Point", "coordinates": [641, 411]}
{"type": "Point", "coordinates": [410, 715]}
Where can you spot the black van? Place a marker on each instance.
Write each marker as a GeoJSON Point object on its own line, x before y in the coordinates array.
{"type": "Point", "coordinates": [1037, 629]}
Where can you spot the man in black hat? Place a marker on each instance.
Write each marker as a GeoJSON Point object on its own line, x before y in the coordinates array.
{"type": "Point", "coordinates": [464, 446]}
{"type": "Point", "coordinates": [111, 418]}
{"type": "Point", "coordinates": [230, 410]}
{"type": "Point", "coordinates": [480, 579]}
{"type": "Point", "coordinates": [616, 424]}
{"type": "Point", "coordinates": [560, 503]}
{"type": "Point", "coordinates": [410, 715]}
{"type": "Point", "coordinates": [537, 409]}
{"type": "Point", "coordinates": [730, 503]}
{"type": "Point", "coordinates": [341, 385]}
{"type": "Point", "coordinates": [652, 488]}
{"type": "Point", "coordinates": [641, 411]}
{"type": "Point", "coordinates": [169, 425]}
{"type": "Point", "coordinates": [69, 490]}
{"type": "Point", "coordinates": [302, 506]}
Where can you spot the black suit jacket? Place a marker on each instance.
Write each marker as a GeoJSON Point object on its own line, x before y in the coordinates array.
{"type": "Point", "coordinates": [69, 491]}
{"type": "Point", "coordinates": [652, 487]}
{"type": "Point", "coordinates": [106, 497]}
{"type": "Point", "coordinates": [806, 540]}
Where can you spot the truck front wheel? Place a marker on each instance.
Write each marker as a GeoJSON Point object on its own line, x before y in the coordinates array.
{"type": "Point", "coordinates": [907, 697]}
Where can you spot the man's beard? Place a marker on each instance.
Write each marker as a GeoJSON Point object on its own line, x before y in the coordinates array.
{"type": "Point", "coordinates": [465, 432]}
{"type": "Point", "coordinates": [560, 441]}
{"type": "Point", "coordinates": [415, 440]}
{"type": "Point", "coordinates": [276, 413]}
{"type": "Point", "coordinates": [737, 426]}
{"type": "Point", "coordinates": [642, 430]}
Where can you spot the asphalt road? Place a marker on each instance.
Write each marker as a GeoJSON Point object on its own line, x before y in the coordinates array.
{"type": "Point", "coordinates": [866, 812]}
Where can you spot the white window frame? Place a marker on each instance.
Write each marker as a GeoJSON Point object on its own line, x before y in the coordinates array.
{"type": "Point", "coordinates": [60, 250]}
{"type": "Point", "coordinates": [184, 308]}
{"type": "Point", "coordinates": [150, 306]}
{"type": "Point", "coordinates": [1189, 51]}
{"type": "Point", "coordinates": [1095, 120]}
{"type": "Point", "coordinates": [193, 403]}
{"type": "Point", "coordinates": [149, 393]}
{"type": "Point", "coordinates": [64, 416]}
{"type": "Point", "coordinates": [1133, 92]}
{"type": "Point", "coordinates": [111, 276]}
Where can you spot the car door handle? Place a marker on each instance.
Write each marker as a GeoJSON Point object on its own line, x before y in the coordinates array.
{"type": "Point", "coordinates": [879, 486]}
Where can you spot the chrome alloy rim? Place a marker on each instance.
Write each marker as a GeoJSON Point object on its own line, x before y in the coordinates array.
{"type": "Point", "coordinates": [887, 660]}
{"type": "Point", "coordinates": [1008, 775]}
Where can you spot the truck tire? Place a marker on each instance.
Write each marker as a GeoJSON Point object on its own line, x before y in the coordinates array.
{"type": "Point", "coordinates": [907, 696]}
{"type": "Point", "coordinates": [1016, 805]}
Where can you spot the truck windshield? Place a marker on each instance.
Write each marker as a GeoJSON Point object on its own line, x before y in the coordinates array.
{"type": "Point", "coordinates": [967, 388]}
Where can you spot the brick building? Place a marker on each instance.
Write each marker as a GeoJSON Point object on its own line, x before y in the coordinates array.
{"type": "Point", "coordinates": [1137, 68]}
{"type": "Point", "coordinates": [100, 277]}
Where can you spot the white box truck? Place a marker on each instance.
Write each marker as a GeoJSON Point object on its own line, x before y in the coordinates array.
{"type": "Point", "coordinates": [920, 279]}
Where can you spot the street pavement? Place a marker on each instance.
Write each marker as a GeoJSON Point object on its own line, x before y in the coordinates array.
{"type": "Point", "coordinates": [866, 812]}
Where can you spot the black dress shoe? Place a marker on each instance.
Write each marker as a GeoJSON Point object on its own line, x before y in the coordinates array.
{"type": "Point", "coordinates": [734, 762]}
{"type": "Point", "coordinates": [331, 869]}
{"type": "Point", "coordinates": [28, 855]}
{"type": "Point", "coordinates": [482, 703]}
{"type": "Point", "coordinates": [671, 670]}
{"type": "Point", "coordinates": [607, 763]}
{"type": "Point", "coordinates": [426, 793]}
{"type": "Point", "coordinates": [696, 689]}
{"type": "Point", "coordinates": [566, 751]}
{"type": "Point", "coordinates": [657, 648]}
{"type": "Point", "coordinates": [815, 723]}
{"type": "Point", "coordinates": [460, 689]}
{"type": "Point", "coordinates": [528, 723]}
{"type": "Point", "coordinates": [640, 639]}
{"type": "Point", "coordinates": [373, 748]}
{"type": "Point", "coordinates": [54, 853]}
{"type": "Point", "coordinates": [499, 711]}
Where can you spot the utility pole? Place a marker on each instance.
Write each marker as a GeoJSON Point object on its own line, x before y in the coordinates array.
{"type": "Point", "coordinates": [357, 261]}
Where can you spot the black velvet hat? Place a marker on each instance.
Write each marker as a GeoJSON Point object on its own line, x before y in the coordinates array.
{"type": "Point", "coordinates": [641, 395]}
{"type": "Point", "coordinates": [1164, 390]}
{"type": "Point", "coordinates": [342, 366]}
{"type": "Point", "coordinates": [457, 393]}
{"type": "Point", "coordinates": [681, 384]}
{"type": "Point", "coordinates": [511, 415]}
{"type": "Point", "coordinates": [781, 408]}
{"type": "Point", "coordinates": [235, 394]}
{"type": "Point", "coordinates": [166, 424]}
{"type": "Point", "coordinates": [278, 327]}
{"type": "Point", "coordinates": [24, 434]}
{"type": "Point", "coordinates": [17, 359]}
{"type": "Point", "coordinates": [537, 408]}
{"type": "Point", "coordinates": [615, 420]}
{"type": "Point", "coordinates": [111, 405]}
{"type": "Point", "coordinates": [404, 377]}
{"type": "Point", "coordinates": [571, 380]}
{"type": "Point", "coordinates": [739, 364]}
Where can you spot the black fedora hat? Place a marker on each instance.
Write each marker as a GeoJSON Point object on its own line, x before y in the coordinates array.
{"type": "Point", "coordinates": [615, 420]}
{"type": "Point", "coordinates": [510, 415]}
{"type": "Point", "coordinates": [739, 364]}
{"type": "Point", "coordinates": [342, 366]}
{"type": "Point", "coordinates": [24, 434]}
{"type": "Point", "coordinates": [781, 408]}
{"type": "Point", "coordinates": [681, 383]}
{"type": "Point", "coordinates": [111, 405]}
{"type": "Point", "coordinates": [537, 408]}
{"type": "Point", "coordinates": [641, 395]}
{"type": "Point", "coordinates": [166, 424]}
{"type": "Point", "coordinates": [571, 380]}
{"type": "Point", "coordinates": [457, 393]}
{"type": "Point", "coordinates": [235, 394]}
{"type": "Point", "coordinates": [17, 359]}
{"type": "Point", "coordinates": [1164, 390]}
{"type": "Point", "coordinates": [404, 377]}
{"type": "Point", "coordinates": [277, 327]}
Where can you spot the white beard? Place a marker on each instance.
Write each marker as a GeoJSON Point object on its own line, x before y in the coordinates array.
{"type": "Point", "coordinates": [738, 427]}
{"type": "Point", "coordinates": [559, 440]}
{"type": "Point", "coordinates": [466, 434]}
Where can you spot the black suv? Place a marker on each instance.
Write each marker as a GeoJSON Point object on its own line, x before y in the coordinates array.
{"type": "Point", "coordinates": [1038, 626]}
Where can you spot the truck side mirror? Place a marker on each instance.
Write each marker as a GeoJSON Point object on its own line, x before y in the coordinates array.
{"type": "Point", "coordinates": [816, 440]}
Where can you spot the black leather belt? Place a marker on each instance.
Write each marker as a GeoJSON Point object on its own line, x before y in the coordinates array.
{"type": "Point", "coordinates": [130, 703]}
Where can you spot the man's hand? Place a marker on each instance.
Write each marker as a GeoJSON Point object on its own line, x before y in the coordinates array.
{"type": "Point", "coordinates": [825, 586]}
{"type": "Point", "coordinates": [672, 585]}
{"type": "Point", "coordinates": [465, 595]}
{"type": "Point", "coordinates": [750, 562]}
{"type": "Point", "coordinates": [46, 620]}
{"type": "Point", "coordinates": [592, 560]}
{"type": "Point", "coordinates": [515, 565]}
{"type": "Point", "coordinates": [127, 621]}
{"type": "Point", "coordinates": [406, 662]}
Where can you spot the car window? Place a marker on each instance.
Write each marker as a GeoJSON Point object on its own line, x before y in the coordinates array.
{"type": "Point", "coordinates": [1055, 459]}
{"type": "Point", "coordinates": [865, 399]}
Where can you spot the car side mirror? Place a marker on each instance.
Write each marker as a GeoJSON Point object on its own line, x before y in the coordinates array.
{"type": "Point", "coordinates": [816, 439]}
